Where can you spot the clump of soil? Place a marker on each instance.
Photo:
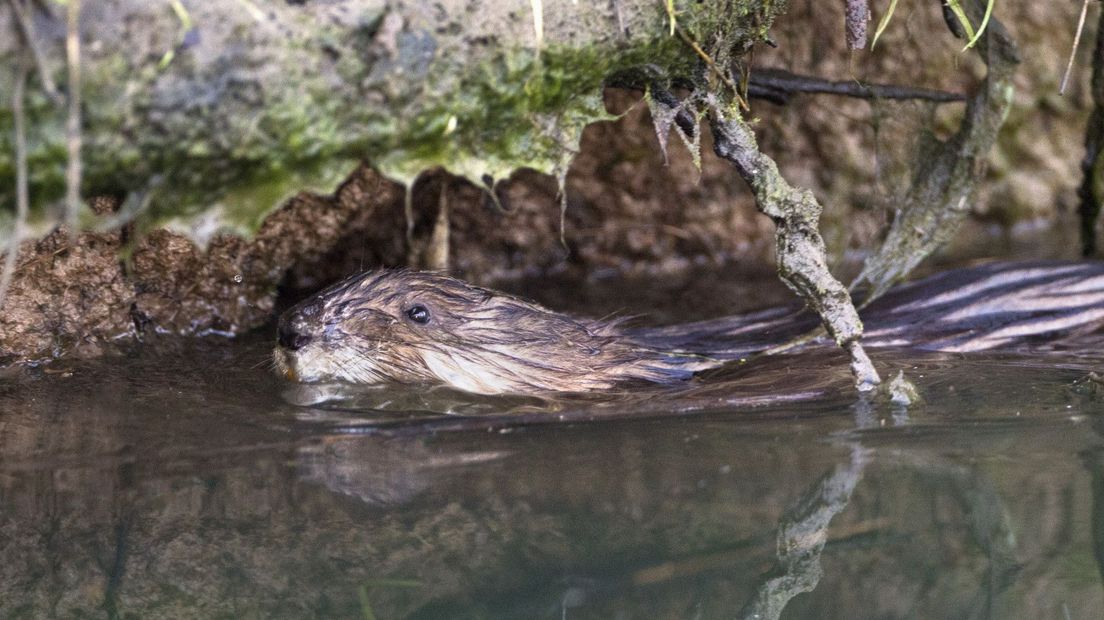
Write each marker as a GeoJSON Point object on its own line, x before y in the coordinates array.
{"type": "Point", "coordinates": [76, 295]}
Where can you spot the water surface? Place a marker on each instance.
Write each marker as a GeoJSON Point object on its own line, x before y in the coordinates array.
{"type": "Point", "coordinates": [183, 480]}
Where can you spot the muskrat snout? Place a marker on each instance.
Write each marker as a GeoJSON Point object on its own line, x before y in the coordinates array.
{"type": "Point", "coordinates": [293, 332]}
{"type": "Point", "coordinates": [290, 339]}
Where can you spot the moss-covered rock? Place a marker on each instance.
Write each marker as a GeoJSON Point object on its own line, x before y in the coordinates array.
{"type": "Point", "coordinates": [225, 109]}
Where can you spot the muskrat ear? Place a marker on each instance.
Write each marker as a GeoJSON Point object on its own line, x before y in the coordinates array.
{"type": "Point", "coordinates": [418, 313]}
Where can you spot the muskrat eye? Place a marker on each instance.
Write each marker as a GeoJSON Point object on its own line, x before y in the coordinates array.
{"type": "Point", "coordinates": [418, 314]}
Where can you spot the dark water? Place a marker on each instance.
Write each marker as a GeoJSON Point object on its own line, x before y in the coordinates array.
{"type": "Point", "coordinates": [180, 481]}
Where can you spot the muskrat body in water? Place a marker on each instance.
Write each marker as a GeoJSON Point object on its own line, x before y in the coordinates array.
{"type": "Point", "coordinates": [420, 327]}
{"type": "Point", "coordinates": [427, 328]}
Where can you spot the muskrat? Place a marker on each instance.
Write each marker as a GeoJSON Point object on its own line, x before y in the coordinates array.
{"type": "Point", "coordinates": [428, 328]}
{"type": "Point", "coordinates": [423, 327]}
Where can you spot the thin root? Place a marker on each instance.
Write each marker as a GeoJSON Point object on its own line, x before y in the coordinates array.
{"type": "Point", "coordinates": [73, 121]}
{"type": "Point", "coordinates": [1076, 44]}
{"type": "Point", "coordinates": [22, 200]}
{"type": "Point", "coordinates": [26, 28]}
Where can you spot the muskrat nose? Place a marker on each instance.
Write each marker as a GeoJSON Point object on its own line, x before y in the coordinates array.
{"type": "Point", "coordinates": [292, 332]}
{"type": "Point", "coordinates": [289, 338]}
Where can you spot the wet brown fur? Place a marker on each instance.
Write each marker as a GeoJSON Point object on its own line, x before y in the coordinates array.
{"type": "Point", "coordinates": [476, 340]}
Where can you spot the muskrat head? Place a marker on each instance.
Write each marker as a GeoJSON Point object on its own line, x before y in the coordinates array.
{"type": "Point", "coordinates": [416, 327]}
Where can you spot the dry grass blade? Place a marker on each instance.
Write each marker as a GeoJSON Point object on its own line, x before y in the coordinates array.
{"type": "Point", "coordinates": [960, 14]}
{"type": "Point", "coordinates": [981, 27]}
{"type": "Point", "coordinates": [538, 22]}
{"type": "Point", "coordinates": [883, 22]}
{"type": "Point", "coordinates": [1076, 44]}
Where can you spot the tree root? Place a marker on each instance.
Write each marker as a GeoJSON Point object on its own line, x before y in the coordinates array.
{"type": "Point", "coordinates": [942, 191]}
{"type": "Point", "coordinates": [1092, 164]}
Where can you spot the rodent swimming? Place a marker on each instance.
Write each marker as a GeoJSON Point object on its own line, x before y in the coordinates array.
{"type": "Point", "coordinates": [418, 327]}
{"type": "Point", "coordinates": [427, 328]}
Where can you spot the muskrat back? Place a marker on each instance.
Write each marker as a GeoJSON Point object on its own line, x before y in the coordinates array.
{"type": "Point", "coordinates": [427, 328]}
{"type": "Point", "coordinates": [991, 306]}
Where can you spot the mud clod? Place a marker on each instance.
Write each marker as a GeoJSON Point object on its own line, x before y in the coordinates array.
{"type": "Point", "coordinates": [76, 297]}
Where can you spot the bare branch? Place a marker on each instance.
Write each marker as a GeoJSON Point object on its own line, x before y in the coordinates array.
{"type": "Point", "coordinates": [26, 28]}
{"type": "Point", "coordinates": [802, 263]}
{"type": "Point", "coordinates": [22, 198]}
{"type": "Point", "coordinates": [777, 85]}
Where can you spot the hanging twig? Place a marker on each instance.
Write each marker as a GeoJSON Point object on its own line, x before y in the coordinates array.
{"type": "Point", "coordinates": [1076, 44]}
{"type": "Point", "coordinates": [26, 28]}
{"type": "Point", "coordinates": [712, 66]}
{"type": "Point", "coordinates": [856, 16]}
{"type": "Point", "coordinates": [802, 263]}
{"type": "Point", "coordinates": [73, 123]}
{"type": "Point", "coordinates": [22, 198]}
{"type": "Point", "coordinates": [940, 195]}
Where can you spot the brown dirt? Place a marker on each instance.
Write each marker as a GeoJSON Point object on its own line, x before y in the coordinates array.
{"type": "Point", "coordinates": [854, 155]}
{"type": "Point", "coordinates": [628, 212]}
{"type": "Point", "coordinates": [75, 297]}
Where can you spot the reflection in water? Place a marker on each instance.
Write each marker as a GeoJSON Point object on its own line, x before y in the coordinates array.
{"type": "Point", "coordinates": [182, 484]}
{"type": "Point", "coordinates": [802, 533]}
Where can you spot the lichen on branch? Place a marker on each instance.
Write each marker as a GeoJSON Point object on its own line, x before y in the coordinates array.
{"type": "Point", "coordinates": [802, 260]}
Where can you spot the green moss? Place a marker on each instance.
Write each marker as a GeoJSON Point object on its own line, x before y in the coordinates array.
{"type": "Point", "coordinates": [175, 135]}
{"type": "Point", "coordinates": [519, 111]}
